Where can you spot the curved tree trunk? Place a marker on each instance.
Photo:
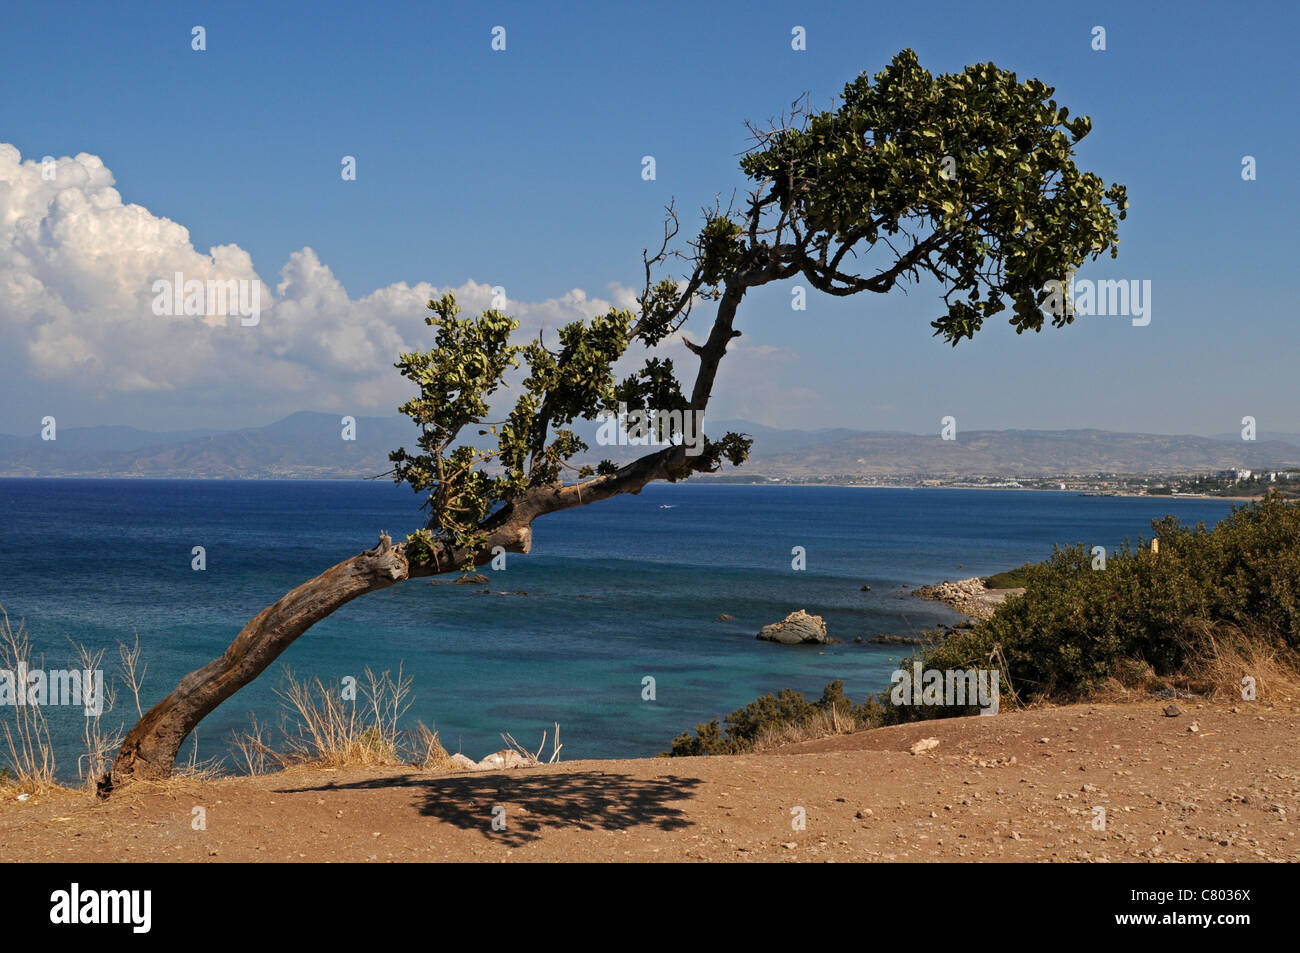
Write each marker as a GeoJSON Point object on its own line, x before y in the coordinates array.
{"type": "Point", "coordinates": [150, 749]}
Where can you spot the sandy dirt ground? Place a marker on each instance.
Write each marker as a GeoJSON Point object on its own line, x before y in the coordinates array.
{"type": "Point", "coordinates": [1020, 786]}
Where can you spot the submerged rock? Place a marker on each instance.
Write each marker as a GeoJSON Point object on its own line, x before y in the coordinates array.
{"type": "Point", "coordinates": [898, 640]}
{"type": "Point", "coordinates": [473, 579]}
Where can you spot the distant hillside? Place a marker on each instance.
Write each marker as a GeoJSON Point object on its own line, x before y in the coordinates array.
{"type": "Point", "coordinates": [1004, 453]}
{"type": "Point", "coordinates": [1260, 435]}
{"type": "Point", "coordinates": [303, 445]}
{"type": "Point", "coordinates": [309, 445]}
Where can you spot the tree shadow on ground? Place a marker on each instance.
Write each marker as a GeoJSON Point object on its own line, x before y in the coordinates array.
{"type": "Point", "coordinates": [586, 800]}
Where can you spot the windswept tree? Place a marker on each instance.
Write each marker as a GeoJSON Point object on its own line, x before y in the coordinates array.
{"type": "Point", "coordinates": [967, 179]}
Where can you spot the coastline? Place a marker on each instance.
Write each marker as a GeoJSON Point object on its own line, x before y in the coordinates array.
{"type": "Point", "coordinates": [698, 482]}
{"type": "Point", "coordinates": [1016, 489]}
{"type": "Point", "coordinates": [971, 597]}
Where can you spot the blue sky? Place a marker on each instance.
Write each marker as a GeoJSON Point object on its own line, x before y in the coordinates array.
{"type": "Point", "coordinates": [522, 169]}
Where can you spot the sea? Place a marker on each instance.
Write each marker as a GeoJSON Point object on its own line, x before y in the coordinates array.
{"type": "Point", "coordinates": [610, 627]}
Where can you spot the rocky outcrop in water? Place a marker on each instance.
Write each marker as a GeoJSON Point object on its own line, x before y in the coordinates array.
{"type": "Point", "coordinates": [798, 628]}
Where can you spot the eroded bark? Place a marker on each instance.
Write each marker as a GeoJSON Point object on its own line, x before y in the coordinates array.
{"type": "Point", "coordinates": [150, 749]}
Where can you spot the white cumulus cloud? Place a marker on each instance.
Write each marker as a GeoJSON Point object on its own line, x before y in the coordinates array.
{"type": "Point", "coordinates": [77, 311]}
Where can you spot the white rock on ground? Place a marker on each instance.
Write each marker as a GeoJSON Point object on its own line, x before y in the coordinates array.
{"type": "Point", "coordinates": [503, 760]}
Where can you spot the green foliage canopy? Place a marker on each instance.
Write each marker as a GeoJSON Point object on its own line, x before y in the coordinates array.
{"type": "Point", "coordinates": [968, 178]}
{"type": "Point", "coordinates": [973, 171]}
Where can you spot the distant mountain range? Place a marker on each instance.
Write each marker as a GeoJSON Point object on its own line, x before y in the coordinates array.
{"type": "Point", "coordinates": [310, 445]}
{"type": "Point", "coordinates": [302, 446]}
{"type": "Point", "coordinates": [1025, 453]}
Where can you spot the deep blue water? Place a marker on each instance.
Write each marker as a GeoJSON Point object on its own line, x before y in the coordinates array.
{"type": "Point", "coordinates": [615, 591]}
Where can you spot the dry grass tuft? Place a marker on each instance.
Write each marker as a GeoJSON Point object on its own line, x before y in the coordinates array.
{"type": "Point", "coordinates": [132, 671]}
{"type": "Point", "coordinates": [28, 748]}
{"type": "Point", "coordinates": [1231, 661]}
{"type": "Point", "coordinates": [28, 752]}
{"type": "Point", "coordinates": [252, 753]}
{"type": "Point", "coordinates": [194, 769]}
{"type": "Point", "coordinates": [1224, 663]}
{"type": "Point", "coordinates": [814, 725]}
{"type": "Point", "coordinates": [100, 743]}
{"type": "Point", "coordinates": [535, 758]}
{"type": "Point", "coordinates": [429, 753]}
{"type": "Point", "coordinates": [322, 727]}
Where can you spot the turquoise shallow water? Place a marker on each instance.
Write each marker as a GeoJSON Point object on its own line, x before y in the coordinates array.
{"type": "Point", "coordinates": [615, 591]}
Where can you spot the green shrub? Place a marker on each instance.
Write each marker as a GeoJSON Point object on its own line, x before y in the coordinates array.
{"type": "Point", "coordinates": [770, 714]}
{"type": "Point", "coordinates": [1011, 579]}
{"type": "Point", "coordinates": [1076, 626]}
